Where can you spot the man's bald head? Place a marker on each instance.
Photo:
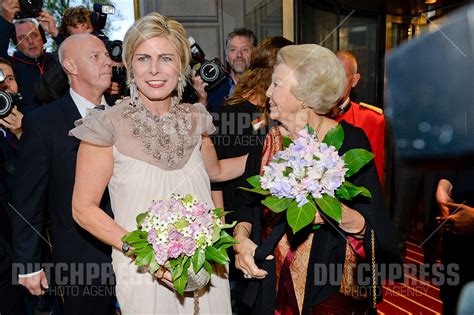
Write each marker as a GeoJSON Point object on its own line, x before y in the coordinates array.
{"type": "Point", "coordinates": [71, 46]}
{"type": "Point", "coordinates": [86, 61]}
{"type": "Point", "coordinates": [349, 62]}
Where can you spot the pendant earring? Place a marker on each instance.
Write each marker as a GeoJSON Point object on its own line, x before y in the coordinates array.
{"type": "Point", "coordinates": [180, 88]}
{"type": "Point", "coordinates": [133, 92]}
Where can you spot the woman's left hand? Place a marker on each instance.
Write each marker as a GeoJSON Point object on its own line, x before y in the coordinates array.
{"type": "Point", "coordinates": [352, 220]}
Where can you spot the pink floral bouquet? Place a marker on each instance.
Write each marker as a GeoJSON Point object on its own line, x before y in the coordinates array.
{"type": "Point", "coordinates": [183, 235]}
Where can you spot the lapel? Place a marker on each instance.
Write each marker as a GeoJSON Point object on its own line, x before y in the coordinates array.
{"type": "Point", "coordinates": [70, 111]}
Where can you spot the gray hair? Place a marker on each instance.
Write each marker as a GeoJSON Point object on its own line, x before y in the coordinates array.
{"type": "Point", "coordinates": [320, 75]}
{"type": "Point", "coordinates": [244, 32]}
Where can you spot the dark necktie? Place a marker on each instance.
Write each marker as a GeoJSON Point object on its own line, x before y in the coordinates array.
{"type": "Point", "coordinates": [99, 107]}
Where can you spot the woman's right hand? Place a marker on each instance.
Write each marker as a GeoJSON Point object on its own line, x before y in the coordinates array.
{"type": "Point", "coordinates": [244, 258]}
{"type": "Point", "coordinates": [165, 276]}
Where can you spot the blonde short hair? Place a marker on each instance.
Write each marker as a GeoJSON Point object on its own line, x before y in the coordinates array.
{"type": "Point", "coordinates": [320, 75]}
{"type": "Point", "coordinates": [157, 25]}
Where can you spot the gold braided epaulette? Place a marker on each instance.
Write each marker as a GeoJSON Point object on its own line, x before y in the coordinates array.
{"type": "Point", "coordinates": [372, 107]}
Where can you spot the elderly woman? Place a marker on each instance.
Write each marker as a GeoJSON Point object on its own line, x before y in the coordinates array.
{"type": "Point", "coordinates": [146, 148]}
{"type": "Point", "coordinates": [311, 272]}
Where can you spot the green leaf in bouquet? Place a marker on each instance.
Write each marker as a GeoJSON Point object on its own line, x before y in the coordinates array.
{"type": "Point", "coordinates": [199, 258]}
{"type": "Point", "coordinates": [355, 159]}
{"type": "Point", "coordinates": [276, 204]}
{"type": "Point", "coordinates": [180, 280]}
{"type": "Point", "coordinates": [154, 266]}
{"type": "Point", "coordinates": [350, 190]}
{"type": "Point", "coordinates": [212, 254]}
{"type": "Point", "coordinates": [257, 190]}
{"type": "Point", "coordinates": [139, 245]}
{"type": "Point", "coordinates": [178, 269]}
{"type": "Point", "coordinates": [299, 217]}
{"type": "Point", "coordinates": [145, 257]}
{"type": "Point", "coordinates": [330, 206]}
{"type": "Point", "coordinates": [254, 181]}
{"type": "Point", "coordinates": [287, 171]}
{"type": "Point", "coordinates": [335, 137]}
{"type": "Point", "coordinates": [286, 142]}
{"type": "Point", "coordinates": [229, 225]}
{"type": "Point", "coordinates": [218, 212]}
{"type": "Point", "coordinates": [209, 268]}
{"type": "Point", "coordinates": [309, 129]}
{"type": "Point", "coordinates": [140, 219]}
{"type": "Point", "coordinates": [181, 224]}
{"type": "Point", "coordinates": [132, 237]}
{"type": "Point", "coordinates": [188, 198]}
{"type": "Point", "coordinates": [216, 233]}
{"type": "Point", "coordinates": [201, 241]}
{"type": "Point", "coordinates": [180, 283]}
{"type": "Point", "coordinates": [225, 238]}
{"type": "Point", "coordinates": [224, 253]}
{"type": "Point", "coordinates": [343, 193]}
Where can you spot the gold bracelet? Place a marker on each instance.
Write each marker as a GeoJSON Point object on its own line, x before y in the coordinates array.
{"type": "Point", "coordinates": [243, 227]}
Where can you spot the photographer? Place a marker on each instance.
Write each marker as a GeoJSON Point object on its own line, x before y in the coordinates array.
{"type": "Point", "coordinates": [240, 46]}
{"type": "Point", "coordinates": [8, 84]}
{"type": "Point", "coordinates": [11, 296]}
{"type": "Point", "coordinates": [30, 61]}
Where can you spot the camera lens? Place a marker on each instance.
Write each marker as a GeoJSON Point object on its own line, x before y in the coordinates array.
{"type": "Point", "coordinates": [114, 48]}
{"type": "Point", "coordinates": [209, 72]}
{"type": "Point", "coordinates": [5, 103]}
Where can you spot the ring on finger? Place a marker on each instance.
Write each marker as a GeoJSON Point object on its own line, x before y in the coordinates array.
{"type": "Point", "coordinates": [247, 276]}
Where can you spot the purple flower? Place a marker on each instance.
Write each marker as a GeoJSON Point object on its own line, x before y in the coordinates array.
{"type": "Point", "coordinates": [189, 246]}
{"type": "Point", "coordinates": [175, 249]}
{"type": "Point", "coordinates": [151, 236]}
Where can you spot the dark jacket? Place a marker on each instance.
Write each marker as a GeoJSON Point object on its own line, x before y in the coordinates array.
{"type": "Point", "coordinates": [43, 184]}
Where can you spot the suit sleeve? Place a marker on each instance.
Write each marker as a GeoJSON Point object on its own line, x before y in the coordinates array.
{"type": "Point", "coordinates": [29, 195]}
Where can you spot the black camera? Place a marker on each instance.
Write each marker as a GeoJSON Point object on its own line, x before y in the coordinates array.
{"type": "Point", "coordinates": [119, 75]}
{"type": "Point", "coordinates": [7, 101]}
{"type": "Point", "coordinates": [98, 20]}
{"type": "Point", "coordinates": [211, 71]}
{"type": "Point", "coordinates": [29, 9]}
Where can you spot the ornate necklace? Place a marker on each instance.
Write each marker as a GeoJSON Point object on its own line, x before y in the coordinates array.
{"type": "Point", "coordinates": [164, 137]}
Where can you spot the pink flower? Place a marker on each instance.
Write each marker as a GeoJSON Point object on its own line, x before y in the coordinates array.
{"type": "Point", "coordinates": [174, 235]}
{"type": "Point", "coordinates": [161, 254]}
{"type": "Point", "coordinates": [199, 209]}
{"type": "Point", "coordinates": [189, 246]}
{"type": "Point", "coordinates": [175, 249]}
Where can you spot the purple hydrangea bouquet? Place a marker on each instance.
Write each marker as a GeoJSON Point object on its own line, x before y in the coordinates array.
{"type": "Point", "coordinates": [183, 235]}
{"type": "Point", "coordinates": [310, 175]}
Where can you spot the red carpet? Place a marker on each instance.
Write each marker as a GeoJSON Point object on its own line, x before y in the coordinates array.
{"type": "Point", "coordinates": [414, 296]}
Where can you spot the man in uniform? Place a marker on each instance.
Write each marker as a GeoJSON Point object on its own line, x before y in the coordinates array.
{"type": "Point", "coordinates": [367, 117]}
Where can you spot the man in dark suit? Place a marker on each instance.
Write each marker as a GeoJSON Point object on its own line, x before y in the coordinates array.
{"type": "Point", "coordinates": [44, 179]}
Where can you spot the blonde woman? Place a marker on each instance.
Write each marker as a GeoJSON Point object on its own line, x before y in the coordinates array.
{"type": "Point", "coordinates": [144, 149]}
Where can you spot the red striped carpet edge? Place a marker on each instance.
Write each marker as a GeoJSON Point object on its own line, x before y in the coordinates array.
{"type": "Point", "coordinates": [413, 296]}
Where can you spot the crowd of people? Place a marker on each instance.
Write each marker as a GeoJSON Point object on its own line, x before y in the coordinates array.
{"type": "Point", "coordinates": [82, 163]}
